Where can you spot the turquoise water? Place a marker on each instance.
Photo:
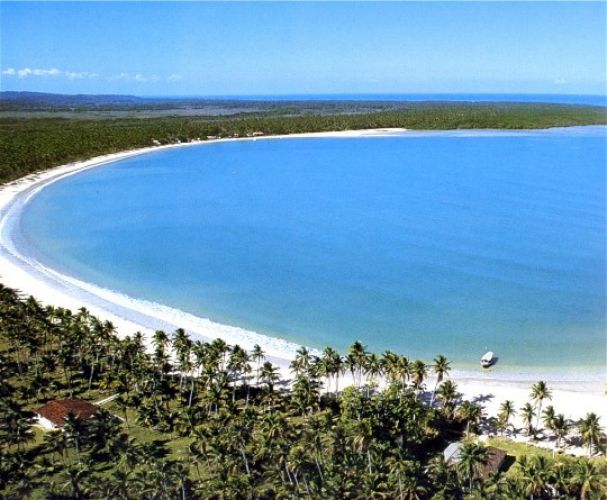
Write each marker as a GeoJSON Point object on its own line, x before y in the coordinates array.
{"type": "Point", "coordinates": [452, 242]}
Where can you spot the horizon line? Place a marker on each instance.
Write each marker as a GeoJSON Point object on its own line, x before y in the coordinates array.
{"type": "Point", "coordinates": [316, 94]}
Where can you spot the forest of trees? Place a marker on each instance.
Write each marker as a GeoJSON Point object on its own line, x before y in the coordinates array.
{"type": "Point", "coordinates": [192, 419]}
{"type": "Point", "coordinates": [32, 144]}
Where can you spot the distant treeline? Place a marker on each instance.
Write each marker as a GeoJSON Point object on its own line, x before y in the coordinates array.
{"type": "Point", "coordinates": [28, 145]}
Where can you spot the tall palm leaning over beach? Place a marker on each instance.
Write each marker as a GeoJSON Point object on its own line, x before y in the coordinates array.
{"type": "Point", "coordinates": [441, 368]}
{"type": "Point", "coordinates": [539, 392]}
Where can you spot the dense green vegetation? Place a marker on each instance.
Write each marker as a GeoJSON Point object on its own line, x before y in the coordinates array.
{"type": "Point", "coordinates": [209, 420]}
{"type": "Point", "coordinates": [28, 145]}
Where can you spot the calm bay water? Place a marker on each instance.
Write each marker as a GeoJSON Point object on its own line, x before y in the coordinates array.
{"type": "Point", "coordinates": [451, 242]}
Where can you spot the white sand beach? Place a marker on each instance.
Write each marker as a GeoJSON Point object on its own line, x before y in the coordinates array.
{"type": "Point", "coordinates": [574, 398]}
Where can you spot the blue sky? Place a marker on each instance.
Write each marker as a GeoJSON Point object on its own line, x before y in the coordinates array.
{"type": "Point", "coordinates": [293, 48]}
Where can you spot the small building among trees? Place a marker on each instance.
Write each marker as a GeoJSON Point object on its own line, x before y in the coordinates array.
{"type": "Point", "coordinates": [495, 462]}
{"type": "Point", "coordinates": [52, 415]}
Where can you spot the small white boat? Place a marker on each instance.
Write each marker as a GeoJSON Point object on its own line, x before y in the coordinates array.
{"type": "Point", "coordinates": [488, 359]}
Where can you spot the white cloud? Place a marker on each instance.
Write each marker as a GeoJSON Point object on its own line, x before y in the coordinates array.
{"type": "Point", "coordinates": [50, 72]}
{"type": "Point", "coordinates": [25, 72]}
{"type": "Point", "coordinates": [82, 75]}
{"type": "Point", "coordinates": [86, 75]}
{"type": "Point", "coordinates": [560, 81]}
{"type": "Point", "coordinates": [134, 77]}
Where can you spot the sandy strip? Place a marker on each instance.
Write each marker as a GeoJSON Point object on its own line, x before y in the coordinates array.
{"type": "Point", "coordinates": [572, 398]}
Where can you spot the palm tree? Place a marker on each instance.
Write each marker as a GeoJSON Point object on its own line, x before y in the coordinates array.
{"type": "Point", "coordinates": [470, 413]}
{"type": "Point", "coordinates": [220, 348]}
{"type": "Point", "coordinates": [301, 362]}
{"type": "Point", "coordinates": [506, 411]}
{"type": "Point", "coordinates": [75, 432]}
{"type": "Point", "coordinates": [403, 370]}
{"type": "Point", "coordinates": [269, 375]}
{"type": "Point", "coordinates": [560, 426]}
{"type": "Point", "coordinates": [373, 370]}
{"type": "Point", "coordinates": [357, 357]}
{"type": "Point", "coordinates": [257, 355]}
{"type": "Point", "coordinates": [118, 485]}
{"type": "Point", "coordinates": [592, 479]}
{"type": "Point", "coordinates": [182, 347]}
{"type": "Point", "coordinates": [590, 430]}
{"type": "Point", "coordinates": [419, 371]}
{"type": "Point", "coordinates": [535, 474]}
{"type": "Point", "coordinates": [441, 368]}
{"type": "Point", "coordinates": [123, 402]}
{"type": "Point", "coordinates": [528, 413]}
{"type": "Point", "coordinates": [472, 456]}
{"type": "Point", "coordinates": [448, 395]}
{"type": "Point", "coordinates": [548, 417]}
{"type": "Point", "coordinates": [412, 487]}
{"type": "Point", "coordinates": [305, 394]}
{"type": "Point", "coordinates": [75, 476]}
{"type": "Point", "coordinates": [539, 392]}
{"type": "Point", "coordinates": [161, 342]}
{"type": "Point", "coordinates": [442, 475]}
{"type": "Point", "coordinates": [54, 441]}
{"type": "Point", "coordinates": [337, 369]}
{"type": "Point", "coordinates": [390, 361]}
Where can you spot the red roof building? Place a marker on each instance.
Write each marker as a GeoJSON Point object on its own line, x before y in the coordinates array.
{"type": "Point", "coordinates": [52, 414]}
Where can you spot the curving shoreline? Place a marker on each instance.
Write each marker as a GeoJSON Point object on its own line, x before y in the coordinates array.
{"type": "Point", "coordinates": [574, 394]}
{"type": "Point", "coordinates": [127, 314]}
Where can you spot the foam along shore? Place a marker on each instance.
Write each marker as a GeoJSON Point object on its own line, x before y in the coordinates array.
{"type": "Point", "coordinates": [17, 270]}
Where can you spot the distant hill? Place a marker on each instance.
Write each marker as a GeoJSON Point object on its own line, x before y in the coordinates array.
{"type": "Point", "coordinates": [38, 100]}
{"type": "Point", "coordinates": [24, 101]}
{"type": "Point", "coordinates": [104, 105]}
{"type": "Point", "coordinates": [113, 104]}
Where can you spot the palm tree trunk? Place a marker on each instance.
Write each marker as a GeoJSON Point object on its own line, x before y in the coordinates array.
{"type": "Point", "coordinates": [246, 462]}
{"type": "Point", "coordinates": [288, 473]}
{"type": "Point", "coordinates": [191, 393]}
{"type": "Point", "coordinates": [306, 485]}
{"type": "Point", "coordinates": [91, 376]}
{"type": "Point", "coordinates": [434, 393]}
{"type": "Point", "coordinates": [322, 478]}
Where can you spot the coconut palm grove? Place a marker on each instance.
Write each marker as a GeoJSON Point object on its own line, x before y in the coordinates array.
{"type": "Point", "coordinates": [191, 419]}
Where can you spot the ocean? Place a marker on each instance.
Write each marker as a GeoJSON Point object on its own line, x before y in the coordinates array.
{"type": "Point", "coordinates": [585, 99]}
{"type": "Point", "coordinates": [453, 242]}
